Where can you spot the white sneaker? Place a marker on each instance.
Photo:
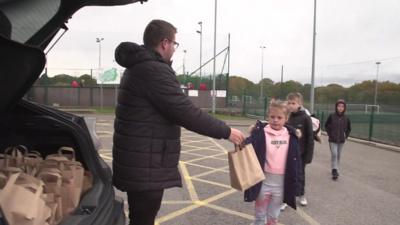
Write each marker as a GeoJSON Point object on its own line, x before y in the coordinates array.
{"type": "Point", "coordinates": [303, 200]}
{"type": "Point", "coordinates": [283, 206]}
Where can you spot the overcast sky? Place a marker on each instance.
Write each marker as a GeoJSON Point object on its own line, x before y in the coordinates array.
{"type": "Point", "coordinates": [351, 36]}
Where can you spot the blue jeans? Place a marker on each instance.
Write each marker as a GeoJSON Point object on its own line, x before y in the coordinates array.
{"type": "Point", "coordinates": [336, 149]}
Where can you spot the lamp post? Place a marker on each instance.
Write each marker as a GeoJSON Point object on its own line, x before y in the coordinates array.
{"type": "Point", "coordinates": [313, 60]}
{"type": "Point", "coordinates": [201, 44]}
{"type": "Point", "coordinates": [99, 40]}
{"type": "Point", "coordinates": [183, 62]}
{"type": "Point", "coordinates": [376, 83]}
{"type": "Point", "coordinates": [215, 55]}
{"type": "Point", "coordinates": [262, 71]}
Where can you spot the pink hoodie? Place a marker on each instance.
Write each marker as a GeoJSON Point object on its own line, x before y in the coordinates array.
{"type": "Point", "coordinates": [277, 143]}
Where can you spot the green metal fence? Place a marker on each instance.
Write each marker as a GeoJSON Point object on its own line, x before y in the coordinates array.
{"type": "Point", "coordinates": [372, 126]}
{"type": "Point", "coordinates": [382, 127]}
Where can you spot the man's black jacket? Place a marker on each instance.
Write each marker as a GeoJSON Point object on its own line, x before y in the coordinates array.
{"type": "Point", "coordinates": [150, 112]}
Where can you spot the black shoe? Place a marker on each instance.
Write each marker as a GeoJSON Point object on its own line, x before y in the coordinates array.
{"type": "Point", "coordinates": [335, 174]}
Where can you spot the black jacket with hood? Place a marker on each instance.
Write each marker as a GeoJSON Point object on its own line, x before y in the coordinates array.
{"type": "Point", "coordinates": [150, 112]}
{"type": "Point", "coordinates": [300, 120]}
{"type": "Point", "coordinates": [337, 125]}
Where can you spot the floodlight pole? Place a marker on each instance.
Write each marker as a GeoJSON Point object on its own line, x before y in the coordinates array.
{"type": "Point", "coordinates": [376, 83]}
{"type": "Point", "coordinates": [262, 72]}
{"type": "Point", "coordinates": [313, 61]}
{"type": "Point", "coordinates": [201, 44]}
{"type": "Point", "coordinates": [99, 40]}
{"type": "Point", "coordinates": [215, 53]}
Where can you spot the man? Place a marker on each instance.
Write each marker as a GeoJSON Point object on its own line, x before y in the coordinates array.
{"type": "Point", "coordinates": [150, 112]}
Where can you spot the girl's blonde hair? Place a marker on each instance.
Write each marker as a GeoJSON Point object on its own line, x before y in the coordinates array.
{"type": "Point", "coordinates": [278, 104]}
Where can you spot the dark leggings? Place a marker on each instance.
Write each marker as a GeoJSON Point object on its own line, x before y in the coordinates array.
{"type": "Point", "coordinates": [144, 206]}
{"type": "Point", "coordinates": [302, 179]}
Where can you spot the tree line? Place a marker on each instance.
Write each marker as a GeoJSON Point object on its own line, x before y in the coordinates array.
{"type": "Point", "coordinates": [363, 93]}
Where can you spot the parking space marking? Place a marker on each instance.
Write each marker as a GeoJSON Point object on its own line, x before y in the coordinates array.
{"type": "Point", "coordinates": [205, 167]}
{"type": "Point", "coordinates": [103, 124]}
{"type": "Point", "coordinates": [109, 158]}
{"type": "Point", "coordinates": [204, 157]}
{"type": "Point", "coordinates": [189, 184]}
{"type": "Point", "coordinates": [306, 217]}
{"type": "Point", "coordinates": [211, 182]}
{"type": "Point", "coordinates": [212, 171]}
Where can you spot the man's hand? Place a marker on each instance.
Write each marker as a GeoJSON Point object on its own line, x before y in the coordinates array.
{"type": "Point", "coordinates": [236, 136]}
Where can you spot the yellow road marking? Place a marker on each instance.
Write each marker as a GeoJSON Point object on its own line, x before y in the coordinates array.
{"type": "Point", "coordinates": [196, 205]}
{"type": "Point", "coordinates": [209, 172]}
{"type": "Point", "coordinates": [306, 217]}
{"type": "Point", "coordinates": [206, 167]}
{"type": "Point", "coordinates": [175, 202]}
{"type": "Point", "coordinates": [205, 157]}
{"type": "Point", "coordinates": [213, 157]}
{"type": "Point", "coordinates": [102, 132]}
{"type": "Point", "coordinates": [189, 184]}
{"type": "Point", "coordinates": [225, 210]}
{"type": "Point", "coordinates": [218, 145]}
{"type": "Point", "coordinates": [211, 182]}
{"type": "Point", "coordinates": [195, 202]}
{"type": "Point", "coordinates": [106, 157]}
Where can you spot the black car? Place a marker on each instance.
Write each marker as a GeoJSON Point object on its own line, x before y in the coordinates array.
{"type": "Point", "coordinates": [26, 29]}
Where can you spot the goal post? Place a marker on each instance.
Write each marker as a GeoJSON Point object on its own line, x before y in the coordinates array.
{"type": "Point", "coordinates": [370, 107]}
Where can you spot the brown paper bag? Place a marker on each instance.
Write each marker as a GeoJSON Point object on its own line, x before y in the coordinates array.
{"type": "Point", "coordinates": [244, 168]}
{"type": "Point", "coordinates": [14, 156]}
{"type": "Point", "coordinates": [3, 180]}
{"type": "Point", "coordinates": [52, 187]}
{"type": "Point", "coordinates": [32, 160]}
{"type": "Point", "coordinates": [20, 190]}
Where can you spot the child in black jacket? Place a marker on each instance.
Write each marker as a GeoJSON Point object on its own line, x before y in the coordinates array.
{"type": "Point", "coordinates": [338, 127]}
{"type": "Point", "coordinates": [299, 120]}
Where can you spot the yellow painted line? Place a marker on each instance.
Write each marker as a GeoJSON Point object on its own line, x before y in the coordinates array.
{"type": "Point", "coordinates": [211, 157]}
{"type": "Point", "coordinates": [229, 211]}
{"type": "Point", "coordinates": [220, 146]}
{"type": "Point", "coordinates": [306, 217]}
{"type": "Point", "coordinates": [102, 132]}
{"type": "Point", "coordinates": [219, 196]}
{"type": "Point", "coordinates": [196, 205]}
{"type": "Point", "coordinates": [189, 184]}
{"type": "Point", "coordinates": [211, 182]}
{"type": "Point", "coordinates": [176, 214]}
{"type": "Point", "coordinates": [175, 202]}
{"type": "Point", "coordinates": [206, 167]}
{"type": "Point", "coordinates": [196, 148]}
{"type": "Point", "coordinates": [106, 157]}
{"type": "Point", "coordinates": [205, 157]}
{"type": "Point", "coordinates": [103, 124]}
{"type": "Point", "coordinates": [208, 173]}
{"type": "Point", "coordinates": [105, 149]}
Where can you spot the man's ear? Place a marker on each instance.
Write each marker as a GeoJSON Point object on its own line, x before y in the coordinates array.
{"type": "Point", "coordinates": [163, 44]}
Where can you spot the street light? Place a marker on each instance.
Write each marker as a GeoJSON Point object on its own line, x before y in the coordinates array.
{"type": "Point", "coordinates": [262, 71]}
{"type": "Point", "coordinates": [201, 43]}
{"type": "Point", "coordinates": [183, 62]}
{"type": "Point", "coordinates": [376, 83]}
{"type": "Point", "coordinates": [313, 60]}
{"type": "Point", "coordinates": [99, 40]}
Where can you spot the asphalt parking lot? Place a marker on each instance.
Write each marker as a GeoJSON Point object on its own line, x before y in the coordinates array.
{"type": "Point", "coordinates": [368, 191]}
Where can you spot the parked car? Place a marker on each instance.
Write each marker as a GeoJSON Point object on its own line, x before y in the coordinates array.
{"type": "Point", "coordinates": [26, 29]}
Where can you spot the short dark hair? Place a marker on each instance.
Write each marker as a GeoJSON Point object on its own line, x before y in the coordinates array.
{"type": "Point", "coordinates": [156, 31]}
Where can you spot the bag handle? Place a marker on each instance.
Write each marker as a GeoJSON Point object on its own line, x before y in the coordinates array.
{"type": "Point", "coordinates": [67, 149]}
{"type": "Point", "coordinates": [51, 174]}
